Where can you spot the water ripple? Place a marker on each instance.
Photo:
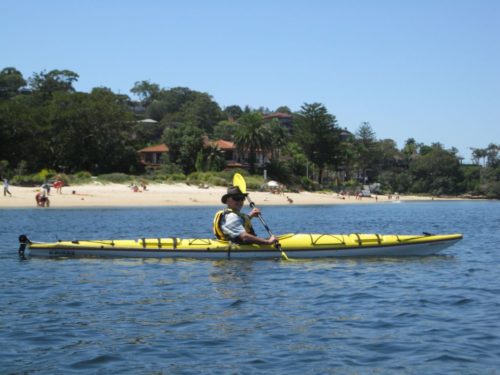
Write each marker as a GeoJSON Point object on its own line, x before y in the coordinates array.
{"type": "Point", "coordinates": [429, 315]}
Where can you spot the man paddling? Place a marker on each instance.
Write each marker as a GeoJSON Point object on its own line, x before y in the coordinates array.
{"type": "Point", "coordinates": [232, 225]}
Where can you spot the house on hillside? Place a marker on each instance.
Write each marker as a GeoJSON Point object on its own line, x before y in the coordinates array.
{"type": "Point", "coordinates": [231, 155]}
{"type": "Point", "coordinates": [152, 156]}
{"type": "Point", "coordinates": [147, 121]}
{"type": "Point", "coordinates": [285, 119]}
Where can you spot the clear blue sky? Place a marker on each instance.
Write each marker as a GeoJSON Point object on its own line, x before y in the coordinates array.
{"type": "Point", "coordinates": [427, 69]}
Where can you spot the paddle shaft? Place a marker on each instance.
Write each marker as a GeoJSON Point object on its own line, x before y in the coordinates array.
{"type": "Point", "coordinates": [277, 244]}
{"type": "Point", "coordinates": [261, 218]}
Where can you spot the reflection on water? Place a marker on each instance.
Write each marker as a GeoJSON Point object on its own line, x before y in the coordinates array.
{"type": "Point", "coordinates": [232, 279]}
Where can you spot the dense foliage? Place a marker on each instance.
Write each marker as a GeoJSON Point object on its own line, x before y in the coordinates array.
{"type": "Point", "coordinates": [46, 125]}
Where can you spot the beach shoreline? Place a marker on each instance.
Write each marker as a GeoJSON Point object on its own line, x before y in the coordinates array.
{"type": "Point", "coordinates": [180, 194]}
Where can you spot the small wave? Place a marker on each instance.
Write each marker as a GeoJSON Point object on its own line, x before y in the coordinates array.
{"type": "Point", "coordinates": [463, 301]}
{"type": "Point", "coordinates": [99, 360]}
{"type": "Point", "coordinates": [236, 303]}
{"type": "Point", "coordinates": [450, 358]}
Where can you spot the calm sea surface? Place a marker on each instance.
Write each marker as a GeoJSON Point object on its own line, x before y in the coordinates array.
{"type": "Point", "coordinates": [431, 315]}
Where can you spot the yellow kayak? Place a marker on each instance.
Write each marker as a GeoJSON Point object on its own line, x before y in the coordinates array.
{"type": "Point", "coordinates": [303, 246]}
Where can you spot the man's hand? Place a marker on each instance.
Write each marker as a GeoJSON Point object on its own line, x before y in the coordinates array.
{"type": "Point", "coordinates": [254, 213]}
{"type": "Point", "coordinates": [272, 240]}
{"type": "Point", "coordinates": [250, 238]}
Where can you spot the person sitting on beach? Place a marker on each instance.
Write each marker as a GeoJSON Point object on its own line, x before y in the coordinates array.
{"type": "Point", "coordinates": [232, 225]}
{"type": "Point", "coordinates": [42, 199]}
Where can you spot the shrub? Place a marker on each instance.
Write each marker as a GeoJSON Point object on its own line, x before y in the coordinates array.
{"type": "Point", "coordinates": [228, 174]}
{"type": "Point", "coordinates": [83, 174]}
{"type": "Point", "coordinates": [279, 171]}
{"type": "Point", "coordinates": [117, 178]}
{"type": "Point", "coordinates": [36, 179]}
{"type": "Point", "coordinates": [45, 174]}
{"type": "Point", "coordinates": [197, 177]}
{"type": "Point", "coordinates": [165, 169]}
{"type": "Point", "coordinates": [80, 178]}
{"type": "Point", "coordinates": [64, 178]}
{"type": "Point", "coordinates": [253, 182]}
{"type": "Point", "coordinates": [217, 181]}
{"type": "Point", "coordinates": [176, 177]}
{"type": "Point", "coordinates": [28, 180]}
{"type": "Point", "coordinates": [306, 183]}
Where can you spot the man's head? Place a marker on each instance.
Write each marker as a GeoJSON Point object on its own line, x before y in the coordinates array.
{"type": "Point", "coordinates": [234, 197]}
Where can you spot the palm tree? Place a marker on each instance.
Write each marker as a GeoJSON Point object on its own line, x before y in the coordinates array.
{"type": "Point", "coordinates": [215, 158]}
{"type": "Point", "coordinates": [279, 138]}
{"type": "Point", "coordinates": [252, 136]}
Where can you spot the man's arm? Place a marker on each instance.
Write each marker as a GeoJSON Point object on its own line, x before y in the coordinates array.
{"type": "Point", "coordinates": [250, 238]}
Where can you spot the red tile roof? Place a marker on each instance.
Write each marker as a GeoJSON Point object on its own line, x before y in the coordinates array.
{"type": "Point", "coordinates": [220, 143]}
{"type": "Point", "coordinates": [224, 145]}
{"type": "Point", "coordinates": [157, 148]}
{"type": "Point", "coordinates": [277, 115]}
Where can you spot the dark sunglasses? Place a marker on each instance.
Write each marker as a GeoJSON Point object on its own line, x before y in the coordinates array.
{"type": "Point", "coordinates": [238, 198]}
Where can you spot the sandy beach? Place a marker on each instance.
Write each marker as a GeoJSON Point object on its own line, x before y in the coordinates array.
{"type": "Point", "coordinates": [116, 195]}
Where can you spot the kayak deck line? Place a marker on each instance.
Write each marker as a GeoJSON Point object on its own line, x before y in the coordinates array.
{"type": "Point", "coordinates": [299, 245]}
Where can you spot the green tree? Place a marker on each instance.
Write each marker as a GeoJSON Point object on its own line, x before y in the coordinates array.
{"type": "Point", "coordinates": [389, 157]}
{"type": "Point", "coordinates": [201, 112]}
{"type": "Point", "coordinates": [410, 150]}
{"type": "Point", "coordinates": [490, 182]}
{"type": "Point", "coordinates": [91, 132]}
{"type": "Point", "coordinates": [367, 153]}
{"type": "Point", "coordinates": [184, 143]}
{"type": "Point", "coordinates": [488, 164]}
{"type": "Point", "coordinates": [24, 129]}
{"type": "Point", "coordinates": [252, 136]}
{"type": "Point", "coordinates": [279, 138]}
{"type": "Point", "coordinates": [436, 171]}
{"type": "Point", "coordinates": [296, 159]}
{"type": "Point", "coordinates": [479, 154]}
{"type": "Point", "coordinates": [233, 112]}
{"type": "Point", "coordinates": [317, 133]}
{"type": "Point", "coordinates": [169, 102]}
{"type": "Point", "coordinates": [56, 80]}
{"type": "Point", "coordinates": [11, 80]}
{"type": "Point", "coordinates": [492, 159]}
{"type": "Point", "coordinates": [283, 109]}
{"type": "Point", "coordinates": [211, 158]}
{"type": "Point", "coordinates": [146, 91]}
{"type": "Point", "coordinates": [181, 105]}
{"type": "Point", "coordinates": [225, 130]}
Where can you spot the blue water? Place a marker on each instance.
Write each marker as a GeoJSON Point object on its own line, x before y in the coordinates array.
{"type": "Point", "coordinates": [431, 315]}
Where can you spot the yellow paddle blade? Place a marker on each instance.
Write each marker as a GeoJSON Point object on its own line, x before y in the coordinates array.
{"type": "Point", "coordinates": [239, 181]}
{"type": "Point", "coordinates": [284, 256]}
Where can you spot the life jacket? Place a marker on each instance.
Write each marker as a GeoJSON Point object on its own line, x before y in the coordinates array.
{"type": "Point", "coordinates": [217, 227]}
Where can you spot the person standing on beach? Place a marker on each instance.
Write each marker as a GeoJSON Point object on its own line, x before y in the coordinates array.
{"type": "Point", "coordinates": [6, 188]}
{"type": "Point", "coordinates": [58, 184]}
{"type": "Point", "coordinates": [232, 225]}
{"type": "Point", "coordinates": [46, 186]}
